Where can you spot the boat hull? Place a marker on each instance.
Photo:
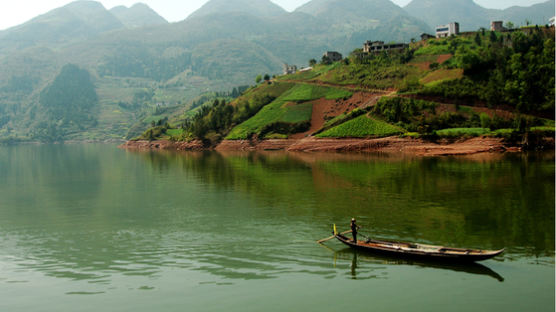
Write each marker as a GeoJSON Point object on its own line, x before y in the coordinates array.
{"type": "Point", "coordinates": [417, 251]}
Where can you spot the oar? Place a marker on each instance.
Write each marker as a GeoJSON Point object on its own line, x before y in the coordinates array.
{"type": "Point", "coordinates": [331, 237]}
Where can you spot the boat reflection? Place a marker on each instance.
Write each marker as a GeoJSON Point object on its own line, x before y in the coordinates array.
{"type": "Point", "coordinates": [357, 257]}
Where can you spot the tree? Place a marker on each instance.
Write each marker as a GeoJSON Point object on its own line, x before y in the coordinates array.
{"type": "Point", "coordinates": [478, 40]}
{"type": "Point", "coordinates": [312, 62]}
{"type": "Point", "coordinates": [258, 79]}
{"type": "Point", "coordinates": [485, 120]}
{"type": "Point", "coordinates": [510, 25]}
{"type": "Point", "coordinates": [266, 77]}
{"type": "Point", "coordinates": [325, 60]}
{"type": "Point", "coordinates": [492, 37]}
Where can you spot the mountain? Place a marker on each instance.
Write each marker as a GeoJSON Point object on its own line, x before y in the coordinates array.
{"type": "Point", "coordinates": [472, 16]}
{"type": "Point", "coordinates": [259, 8]}
{"type": "Point", "coordinates": [141, 73]}
{"type": "Point", "coordinates": [536, 14]}
{"type": "Point", "coordinates": [339, 10]}
{"type": "Point", "coordinates": [467, 13]}
{"type": "Point", "coordinates": [139, 15]}
{"type": "Point", "coordinates": [76, 21]}
{"type": "Point", "coordinates": [355, 21]}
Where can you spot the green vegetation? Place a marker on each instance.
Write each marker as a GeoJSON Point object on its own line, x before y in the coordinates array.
{"type": "Point", "coordinates": [456, 86]}
{"type": "Point", "coordinates": [290, 116]}
{"type": "Point", "coordinates": [298, 113]}
{"type": "Point", "coordinates": [361, 127]}
{"type": "Point", "coordinates": [68, 105]}
{"type": "Point", "coordinates": [308, 92]}
{"type": "Point", "coordinates": [372, 71]}
{"type": "Point", "coordinates": [516, 69]}
{"type": "Point", "coordinates": [462, 132]}
{"type": "Point", "coordinates": [176, 63]}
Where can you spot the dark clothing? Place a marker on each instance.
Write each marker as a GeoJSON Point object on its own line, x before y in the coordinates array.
{"type": "Point", "coordinates": [354, 229]}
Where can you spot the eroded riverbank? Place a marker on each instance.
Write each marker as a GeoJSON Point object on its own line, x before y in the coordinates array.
{"type": "Point", "coordinates": [388, 145]}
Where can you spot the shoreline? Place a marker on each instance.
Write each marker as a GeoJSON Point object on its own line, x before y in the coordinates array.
{"type": "Point", "coordinates": [394, 144]}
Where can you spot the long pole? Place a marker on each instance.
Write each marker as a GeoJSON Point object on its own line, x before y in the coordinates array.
{"type": "Point", "coordinates": [331, 237]}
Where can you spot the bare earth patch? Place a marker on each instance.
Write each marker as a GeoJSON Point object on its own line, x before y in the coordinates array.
{"type": "Point", "coordinates": [324, 109]}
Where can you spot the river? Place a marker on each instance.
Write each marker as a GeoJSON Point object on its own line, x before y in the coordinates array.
{"type": "Point", "coordinates": [94, 228]}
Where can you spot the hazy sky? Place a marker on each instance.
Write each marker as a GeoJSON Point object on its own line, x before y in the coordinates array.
{"type": "Point", "coordinates": [16, 12]}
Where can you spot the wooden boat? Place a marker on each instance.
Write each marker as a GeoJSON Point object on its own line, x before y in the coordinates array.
{"type": "Point", "coordinates": [421, 251]}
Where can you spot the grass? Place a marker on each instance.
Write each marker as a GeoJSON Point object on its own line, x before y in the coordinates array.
{"type": "Point", "coordinates": [462, 132]}
{"type": "Point", "coordinates": [433, 49]}
{"type": "Point", "coordinates": [282, 109]}
{"type": "Point", "coordinates": [543, 128]}
{"type": "Point", "coordinates": [307, 92]}
{"type": "Point", "coordinates": [174, 132]}
{"type": "Point", "coordinates": [371, 76]}
{"type": "Point", "coordinates": [276, 136]}
{"type": "Point", "coordinates": [361, 127]}
{"type": "Point", "coordinates": [334, 120]}
{"type": "Point", "coordinates": [441, 75]}
{"type": "Point", "coordinates": [298, 113]}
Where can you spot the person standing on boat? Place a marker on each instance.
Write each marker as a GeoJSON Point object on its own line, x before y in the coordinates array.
{"type": "Point", "coordinates": [354, 228]}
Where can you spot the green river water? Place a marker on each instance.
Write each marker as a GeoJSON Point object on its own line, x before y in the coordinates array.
{"type": "Point", "coordinates": [96, 228]}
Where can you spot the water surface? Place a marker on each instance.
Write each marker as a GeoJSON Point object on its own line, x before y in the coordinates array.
{"type": "Point", "coordinates": [92, 227]}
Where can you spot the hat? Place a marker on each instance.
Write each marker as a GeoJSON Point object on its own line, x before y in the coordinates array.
{"type": "Point", "coordinates": [352, 219]}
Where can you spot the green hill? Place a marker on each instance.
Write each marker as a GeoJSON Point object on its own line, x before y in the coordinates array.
{"type": "Point", "coordinates": [472, 16]}
{"type": "Point", "coordinates": [224, 45]}
{"type": "Point", "coordinates": [483, 84]}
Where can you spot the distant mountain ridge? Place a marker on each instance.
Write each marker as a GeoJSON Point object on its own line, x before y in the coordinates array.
{"type": "Point", "coordinates": [76, 21]}
{"type": "Point", "coordinates": [472, 16]}
{"type": "Point", "coordinates": [138, 15]}
{"type": "Point", "coordinates": [259, 8]}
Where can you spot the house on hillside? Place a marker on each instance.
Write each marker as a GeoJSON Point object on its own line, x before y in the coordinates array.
{"type": "Point", "coordinates": [379, 46]}
{"type": "Point", "coordinates": [448, 30]}
{"type": "Point", "coordinates": [289, 69]}
{"type": "Point", "coordinates": [425, 37]}
{"type": "Point", "coordinates": [497, 26]}
{"type": "Point", "coordinates": [333, 56]}
{"type": "Point", "coordinates": [551, 21]}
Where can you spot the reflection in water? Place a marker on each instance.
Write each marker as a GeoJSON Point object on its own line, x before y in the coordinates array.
{"type": "Point", "coordinates": [110, 218]}
{"type": "Point", "coordinates": [357, 257]}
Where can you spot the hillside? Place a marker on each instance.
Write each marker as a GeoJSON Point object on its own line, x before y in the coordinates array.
{"type": "Point", "coordinates": [138, 15]}
{"type": "Point", "coordinates": [221, 47]}
{"type": "Point", "coordinates": [260, 8]}
{"type": "Point", "coordinates": [443, 88]}
{"type": "Point", "coordinates": [472, 16]}
{"type": "Point", "coordinates": [76, 21]}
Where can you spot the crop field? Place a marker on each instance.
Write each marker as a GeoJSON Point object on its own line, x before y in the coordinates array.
{"type": "Point", "coordinates": [307, 92]}
{"type": "Point", "coordinates": [361, 127]}
{"type": "Point", "coordinates": [286, 108]}
{"type": "Point", "coordinates": [441, 75]}
{"type": "Point", "coordinates": [298, 113]}
{"type": "Point", "coordinates": [373, 77]}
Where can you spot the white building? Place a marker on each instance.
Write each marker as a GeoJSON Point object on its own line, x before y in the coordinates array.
{"type": "Point", "coordinates": [444, 31]}
{"type": "Point", "coordinates": [289, 69]}
{"type": "Point", "coordinates": [551, 21]}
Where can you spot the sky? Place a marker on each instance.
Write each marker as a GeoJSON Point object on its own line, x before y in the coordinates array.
{"type": "Point", "coordinates": [13, 13]}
